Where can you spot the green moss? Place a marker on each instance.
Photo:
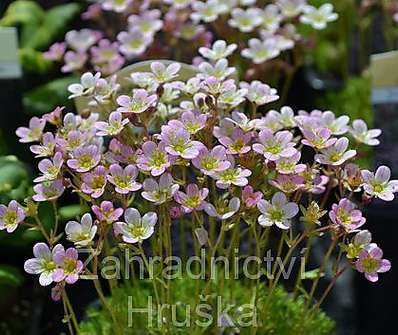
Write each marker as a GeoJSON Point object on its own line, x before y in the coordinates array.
{"type": "Point", "coordinates": [280, 315]}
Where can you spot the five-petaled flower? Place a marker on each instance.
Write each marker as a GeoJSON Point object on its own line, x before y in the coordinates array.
{"type": "Point", "coordinates": [81, 234]}
{"type": "Point", "coordinates": [11, 216]}
{"type": "Point", "coordinates": [136, 228]}
{"type": "Point", "coordinates": [277, 212]}
{"type": "Point", "coordinates": [370, 262]}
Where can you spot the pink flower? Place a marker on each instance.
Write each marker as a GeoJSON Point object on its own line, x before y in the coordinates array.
{"type": "Point", "coordinates": [277, 212]}
{"type": "Point", "coordinates": [210, 162]}
{"type": "Point", "coordinates": [232, 176]}
{"type": "Point", "coordinates": [47, 147]}
{"type": "Point", "coordinates": [193, 199]}
{"type": "Point", "coordinates": [193, 122]}
{"type": "Point", "coordinates": [275, 146]}
{"type": "Point", "coordinates": [85, 158]}
{"type": "Point", "coordinates": [106, 57]}
{"type": "Point", "coordinates": [159, 193]}
{"type": "Point", "coordinates": [260, 93]}
{"type": "Point", "coordinates": [175, 212]}
{"type": "Point", "coordinates": [11, 216]}
{"type": "Point", "coordinates": [336, 154]}
{"type": "Point", "coordinates": [124, 179]}
{"type": "Point", "coordinates": [288, 165]}
{"type": "Point", "coordinates": [106, 212]}
{"type": "Point", "coordinates": [50, 169]}
{"type": "Point", "coordinates": [371, 262]}
{"type": "Point", "coordinates": [237, 143]}
{"type": "Point", "coordinates": [134, 42]}
{"type": "Point", "coordinates": [69, 266]}
{"type": "Point", "coordinates": [346, 215]}
{"type": "Point", "coordinates": [43, 263]}
{"type": "Point", "coordinates": [379, 184]}
{"type": "Point", "coordinates": [318, 138]}
{"type": "Point", "coordinates": [33, 133]}
{"type": "Point", "coordinates": [56, 52]}
{"type": "Point", "coordinates": [82, 40]}
{"type": "Point", "coordinates": [154, 158]}
{"type": "Point", "coordinates": [138, 103]}
{"type": "Point", "coordinates": [178, 143]}
{"type": "Point", "coordinates": [249, 197]}
{"type": "Point", "coordinates": [48, 190]}
{"type": "Point", "coordinates": [288, 183]}
{"type": "Point", "coordinates": [94, 182]}
{"type": "Point", "coordinates": [113, 127]}
{"type": "Point", "coordinates": [74, 61]}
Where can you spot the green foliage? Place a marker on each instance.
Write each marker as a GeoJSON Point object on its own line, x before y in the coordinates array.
{"type": "Point", "coordinates": [14, 179]}
{"type": "Point", "coordinates": [38, 29]}
{"type": "Point", "coordinates": [46, 97]}
{"type": "Point", "coordinates": [353, 100]}
{"type": "Point", "coordinates": [10, 276]}
{"type": "Point", "coordinates": [33, 61]}
{"type": "Point", "coordinates": [22, 12]}
{"type": "Point", "coordinates": [281, 315]}
{"type": "Point", "coordinates": [52, 26]}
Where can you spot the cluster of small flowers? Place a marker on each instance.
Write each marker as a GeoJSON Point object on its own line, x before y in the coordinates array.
{"type": "Point", "coordinates": [119, 160]}
{"type": "Point", "coordinates": [270, 30]}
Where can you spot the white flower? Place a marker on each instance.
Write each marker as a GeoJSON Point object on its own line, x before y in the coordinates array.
{"type": "Point", "coordinates": [261, 51]}
{"type": "Point", "coordinates": [318, 18]}
{"type": "Point", "coordinates": [291, 8]}
{"type": "Point", "coordinates": [178, 4]}
{"type": "Point", "coordinates": [87, 85]}
{"type": "Point", "coordinates": [338, 126]}
{"type": "Point", "coordinates": [242, 121]}
{"type": "Point", "coordinates": [361, 133]}
{"type": "Point", "coordinates": [220, 70]}
{"type": "Point", "coordinates": [148, 22]}
{"type": "Point", "coordinates": [136, 229]}
{"type": "Point", "coordinates": [207, 11]}
{"type": "Point", "coordinates": [232, 176]}
{"type": "Point", "coordinates": [336, 154]}
{"type": "Point", "coordinates": [43, 263]}
{"type": "Point", "coordinates": [278, 212]}
{"type": "Point", "coordinates": [118, 6]}
{"type": "Point", "coordinates": [245, 20]}
{"type": "Point", "coordinates": [379, 184]}
{"type": "Point", "coordinates": [271, 18]}
{"type": "Point", "coordinates": [232, 98]}
{"type": "Point", "coordinates": [161, 192]}
{"type": "Point", "coordinates": [163, 73]}
{"type": "Point", "coordinates": [134, 42]}
{"type": "Point", "coordinates": [219, 50]}
{"type": "Point", "coordinates": [223, 213]}
{"type": "Point", "coordinates": [81, 40]}
{"type": "Point", "coordinates": [259, 93]}
{"type": "Point", "coordinates": [81, 234]}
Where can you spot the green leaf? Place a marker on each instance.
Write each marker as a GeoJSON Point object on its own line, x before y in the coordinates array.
{"type": "Point", "coordinates": [70, 212]}
{"type": "Point", "coordinates": [22, 12]}
{"type": "Point", "coordinates": [10, 276]}
{"type": "Point", "coordinates": [46, 97]}
{"type": "Point", "coordinates": [33, 61]}
{"type": "Point", "coordinates": [53, 26]}
{"type": "Point", "coordinates": [13, 179]}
